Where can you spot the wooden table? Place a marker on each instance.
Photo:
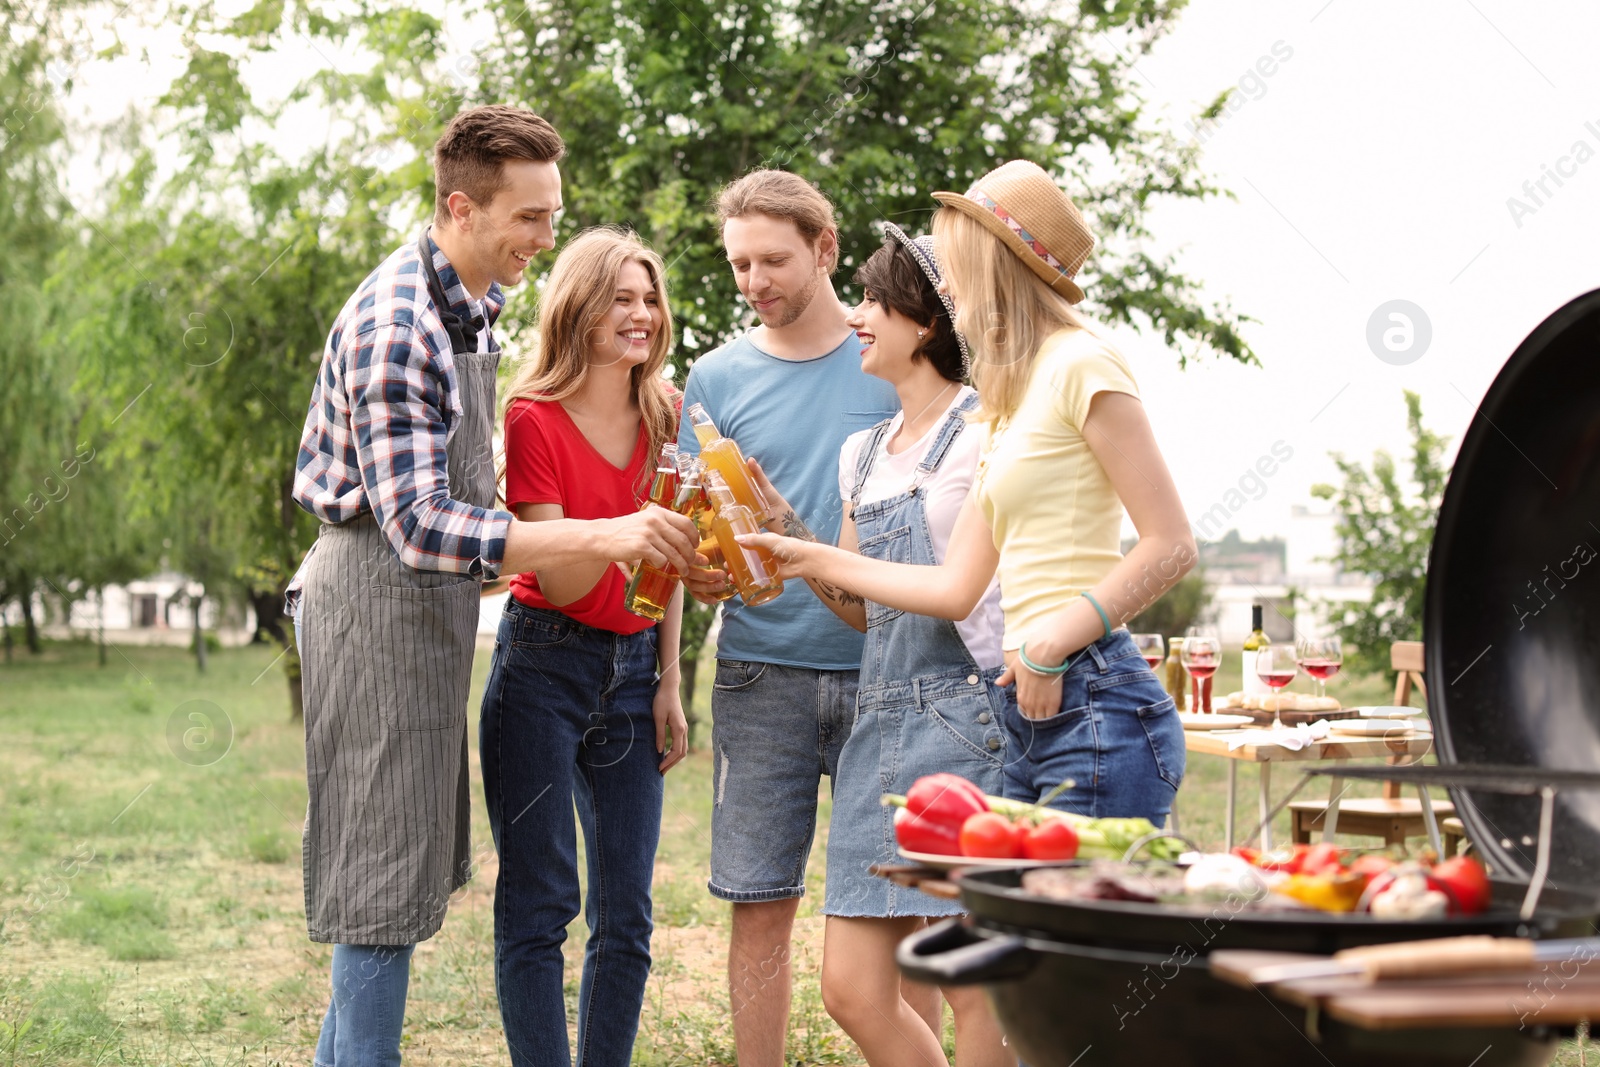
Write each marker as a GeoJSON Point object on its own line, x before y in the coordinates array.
{"type": "Point", "coordinates": [1403, 741]}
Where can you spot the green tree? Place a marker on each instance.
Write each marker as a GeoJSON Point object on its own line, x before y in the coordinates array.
{"type": "Point", "coordinates": [1384, 532]}
{"type": "Point", "coordinates": [1177, 609]}
{"type": "Point", "coordinates": [879, 103]}
{"type": "Point", "coordinates": [235, 268]}
{"type": "Point", "coordinates": [37, 411]}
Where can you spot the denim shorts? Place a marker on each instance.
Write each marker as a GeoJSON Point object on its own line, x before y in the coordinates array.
{"type": "Point", "coordinates": [1117, 736]}
{"type": "Point", "coordinates": [775, 732]}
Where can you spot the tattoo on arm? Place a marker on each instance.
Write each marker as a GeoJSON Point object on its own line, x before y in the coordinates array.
{"type": "Point", "coordinates": [797, 529]}
{"type": "Point", "coordinates": [834, 593]}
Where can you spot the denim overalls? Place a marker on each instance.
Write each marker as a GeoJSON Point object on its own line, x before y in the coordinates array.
{"type": "Point", "coordinates": [924, 705]}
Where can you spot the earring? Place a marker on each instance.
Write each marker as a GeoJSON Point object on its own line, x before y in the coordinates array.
{"type": "Point", "coordinates": [922, 333]}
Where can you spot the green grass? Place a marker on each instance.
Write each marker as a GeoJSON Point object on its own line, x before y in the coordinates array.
{"type": "Point", "coordinates": [130, 924]}
{"type": "Point", "coordinates": [151, 908]}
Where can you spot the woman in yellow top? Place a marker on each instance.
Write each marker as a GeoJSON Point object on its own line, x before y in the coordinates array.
{"type": "Point", "coordinates": [1068, 448]}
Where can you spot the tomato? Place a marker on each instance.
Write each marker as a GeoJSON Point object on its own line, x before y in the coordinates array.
{"type": "Point", "coordinates": [1322, 858]}
{"type": "Point", "coordinates": [1250, 855]}
{"type": "Point", "coordinates": [991, 835]}
{"type": "Point", "coordinates": [1052, 839]}
{"type": "Point", "coordinates": [1465, 882]}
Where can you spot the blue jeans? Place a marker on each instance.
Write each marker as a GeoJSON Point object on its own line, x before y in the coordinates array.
{"type": "Point", "coordinates": [567, 718]}
{"type": "Point", "coordinates": [368, 1006]}
{"type": "Point", "coordinates": [776, 731]}
{"type": "Point", "coordinates": [1117, 736]}
{"type": "Point", "coordinates": [362, 1027]}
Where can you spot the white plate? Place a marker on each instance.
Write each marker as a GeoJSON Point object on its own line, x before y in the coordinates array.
{"type": "Point", "coordinates": [1194, 720]}
{"type": "Point", "coordinates": [1378, 727]}
{"type": "Point", "coordinates": [950, 863]}
{"type": "Point", "coordinates": [1388, 712]}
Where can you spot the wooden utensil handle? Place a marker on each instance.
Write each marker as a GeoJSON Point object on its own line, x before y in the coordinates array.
{"type": "Point", "coordinates": [1445, 955]}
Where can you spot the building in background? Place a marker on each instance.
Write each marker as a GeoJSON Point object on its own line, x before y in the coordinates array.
{"type": "Point", "coordinates": [1290, 576]}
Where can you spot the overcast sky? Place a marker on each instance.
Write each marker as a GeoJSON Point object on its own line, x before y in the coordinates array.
{"type": "Point", "coordinates": [1373, 151]}
{"type": "Point", "coordinates": [1375, 164]}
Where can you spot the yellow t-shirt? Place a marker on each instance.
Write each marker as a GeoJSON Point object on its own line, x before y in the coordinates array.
{"type": "Point", "coordinates": [1055, 517]}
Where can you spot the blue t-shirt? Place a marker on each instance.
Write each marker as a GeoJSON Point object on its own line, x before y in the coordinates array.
{"type": "Point", "coordinates": [792, 416]}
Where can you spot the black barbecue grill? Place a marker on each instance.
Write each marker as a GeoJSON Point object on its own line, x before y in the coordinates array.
{"type": "Point", "coordinates": [1512, 631]}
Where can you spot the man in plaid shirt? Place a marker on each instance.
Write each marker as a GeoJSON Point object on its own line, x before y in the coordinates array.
{"type": "Point", "coordinates": [397, 461]}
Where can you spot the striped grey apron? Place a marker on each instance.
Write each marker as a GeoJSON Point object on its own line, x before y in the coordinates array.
{"type": "Point", "coordinates": [387, 665]}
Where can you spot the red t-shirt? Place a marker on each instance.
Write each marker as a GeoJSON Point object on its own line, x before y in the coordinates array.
{"type": "Point", "coordinates": [549, 461]}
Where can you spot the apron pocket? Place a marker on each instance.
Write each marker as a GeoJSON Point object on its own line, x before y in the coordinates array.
{"type": "Point", "coordinates": [420, 653]}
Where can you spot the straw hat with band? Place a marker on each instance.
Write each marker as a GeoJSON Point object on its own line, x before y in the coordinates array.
{"type": "Point", "coordinates": [1018, 203]}
{"type": "Point", "coordinates": [922, 250]}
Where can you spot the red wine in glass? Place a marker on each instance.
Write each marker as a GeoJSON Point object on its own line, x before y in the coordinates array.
{"type": "Point", "coordinates": [1275, 665]}
{"type": "Point", "coordinates": [1321, 669]}
{"type": "Point", "coordinates": [1201, 668]}
{"type": "Point", "coordinates": [1154, 661]}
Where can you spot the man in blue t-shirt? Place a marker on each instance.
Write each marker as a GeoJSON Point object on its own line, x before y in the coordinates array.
{"type": "Point", "coordinates": [789, 392]}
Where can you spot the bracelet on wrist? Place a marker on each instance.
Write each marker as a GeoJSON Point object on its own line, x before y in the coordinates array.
{"type": "Point", "coordinates": [1105, 619]}
{"type": "Point", "coordinates": [1043, 672]}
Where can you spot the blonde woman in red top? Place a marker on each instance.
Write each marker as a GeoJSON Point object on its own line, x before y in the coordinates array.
{"type": "Point", "coordinates": [581, 707]}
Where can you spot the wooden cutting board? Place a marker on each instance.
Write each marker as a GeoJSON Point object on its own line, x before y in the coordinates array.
{"type": "Point", "coordinates": [1557, 994]}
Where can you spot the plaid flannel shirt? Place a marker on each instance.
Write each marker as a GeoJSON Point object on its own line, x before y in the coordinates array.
{"type": "Point", "coordinates": [384, 406]}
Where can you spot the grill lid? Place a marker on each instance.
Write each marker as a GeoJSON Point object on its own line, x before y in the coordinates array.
{"type": "Point", "coordinates": [1512, 619]}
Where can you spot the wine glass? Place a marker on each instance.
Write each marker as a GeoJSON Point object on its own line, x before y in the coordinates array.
{"type": "Point", "coordinates": [1321, 657]}
{"type": "Point", "coordinates": [1276, 666]}
{"type": "Point", "coordinates": [1202, 655]}
{"type": "Point", "coordinates": [1152, 647]}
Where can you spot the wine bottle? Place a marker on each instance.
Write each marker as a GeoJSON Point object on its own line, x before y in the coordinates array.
{"type": "Point", "coordinates": [1254, 643]}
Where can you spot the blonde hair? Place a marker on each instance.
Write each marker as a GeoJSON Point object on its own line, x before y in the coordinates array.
{"type": "Point", "coordinates": [575, 302]}
{"type": "Point", "coordinates": [1005, 310]}
{"type": "Point", "coordinates": [778, 194]}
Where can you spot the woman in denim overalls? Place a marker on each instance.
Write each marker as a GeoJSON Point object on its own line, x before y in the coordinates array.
{"type": "Point", "coordinates": [1069, 450]}
{"type": "Point", "coordinates": [927, 700]}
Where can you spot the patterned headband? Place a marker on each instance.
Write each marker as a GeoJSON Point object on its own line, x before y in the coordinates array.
{"type": "Point", "coordinates": [922, 250]}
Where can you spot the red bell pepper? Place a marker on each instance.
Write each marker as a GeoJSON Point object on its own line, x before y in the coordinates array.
{"type": "Point", "coordinates": [946, 798]}
{"type": "Point", "coordinates": [933, 811]}
{"type": "Point", "coordinates": [918, 833]}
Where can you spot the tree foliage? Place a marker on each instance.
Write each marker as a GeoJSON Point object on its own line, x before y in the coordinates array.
{"type": "Point", "coordinates": [1384, 532]}
{"type": "Point", "coordinates": [1177, 609]}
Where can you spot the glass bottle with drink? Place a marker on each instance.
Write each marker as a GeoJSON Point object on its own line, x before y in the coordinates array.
{"type": "Point", "coordinates": [754, 571]}
{"type": "Point", "coordinates": [1254, 645]}
{"type": "Point", "coordinates": [693, 504]}
{"type": "Point", "coordinates": [651, 587]}
{"type": "Point", "coordinates": [1176, 688]}
{"type": "Point", "coordinates": [722, 455]}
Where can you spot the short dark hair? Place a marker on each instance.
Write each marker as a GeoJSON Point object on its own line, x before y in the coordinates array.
{"type": "Point", "coordinates": [468, 158]}
{"type": "Point", "coordinates": [896, 281]}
